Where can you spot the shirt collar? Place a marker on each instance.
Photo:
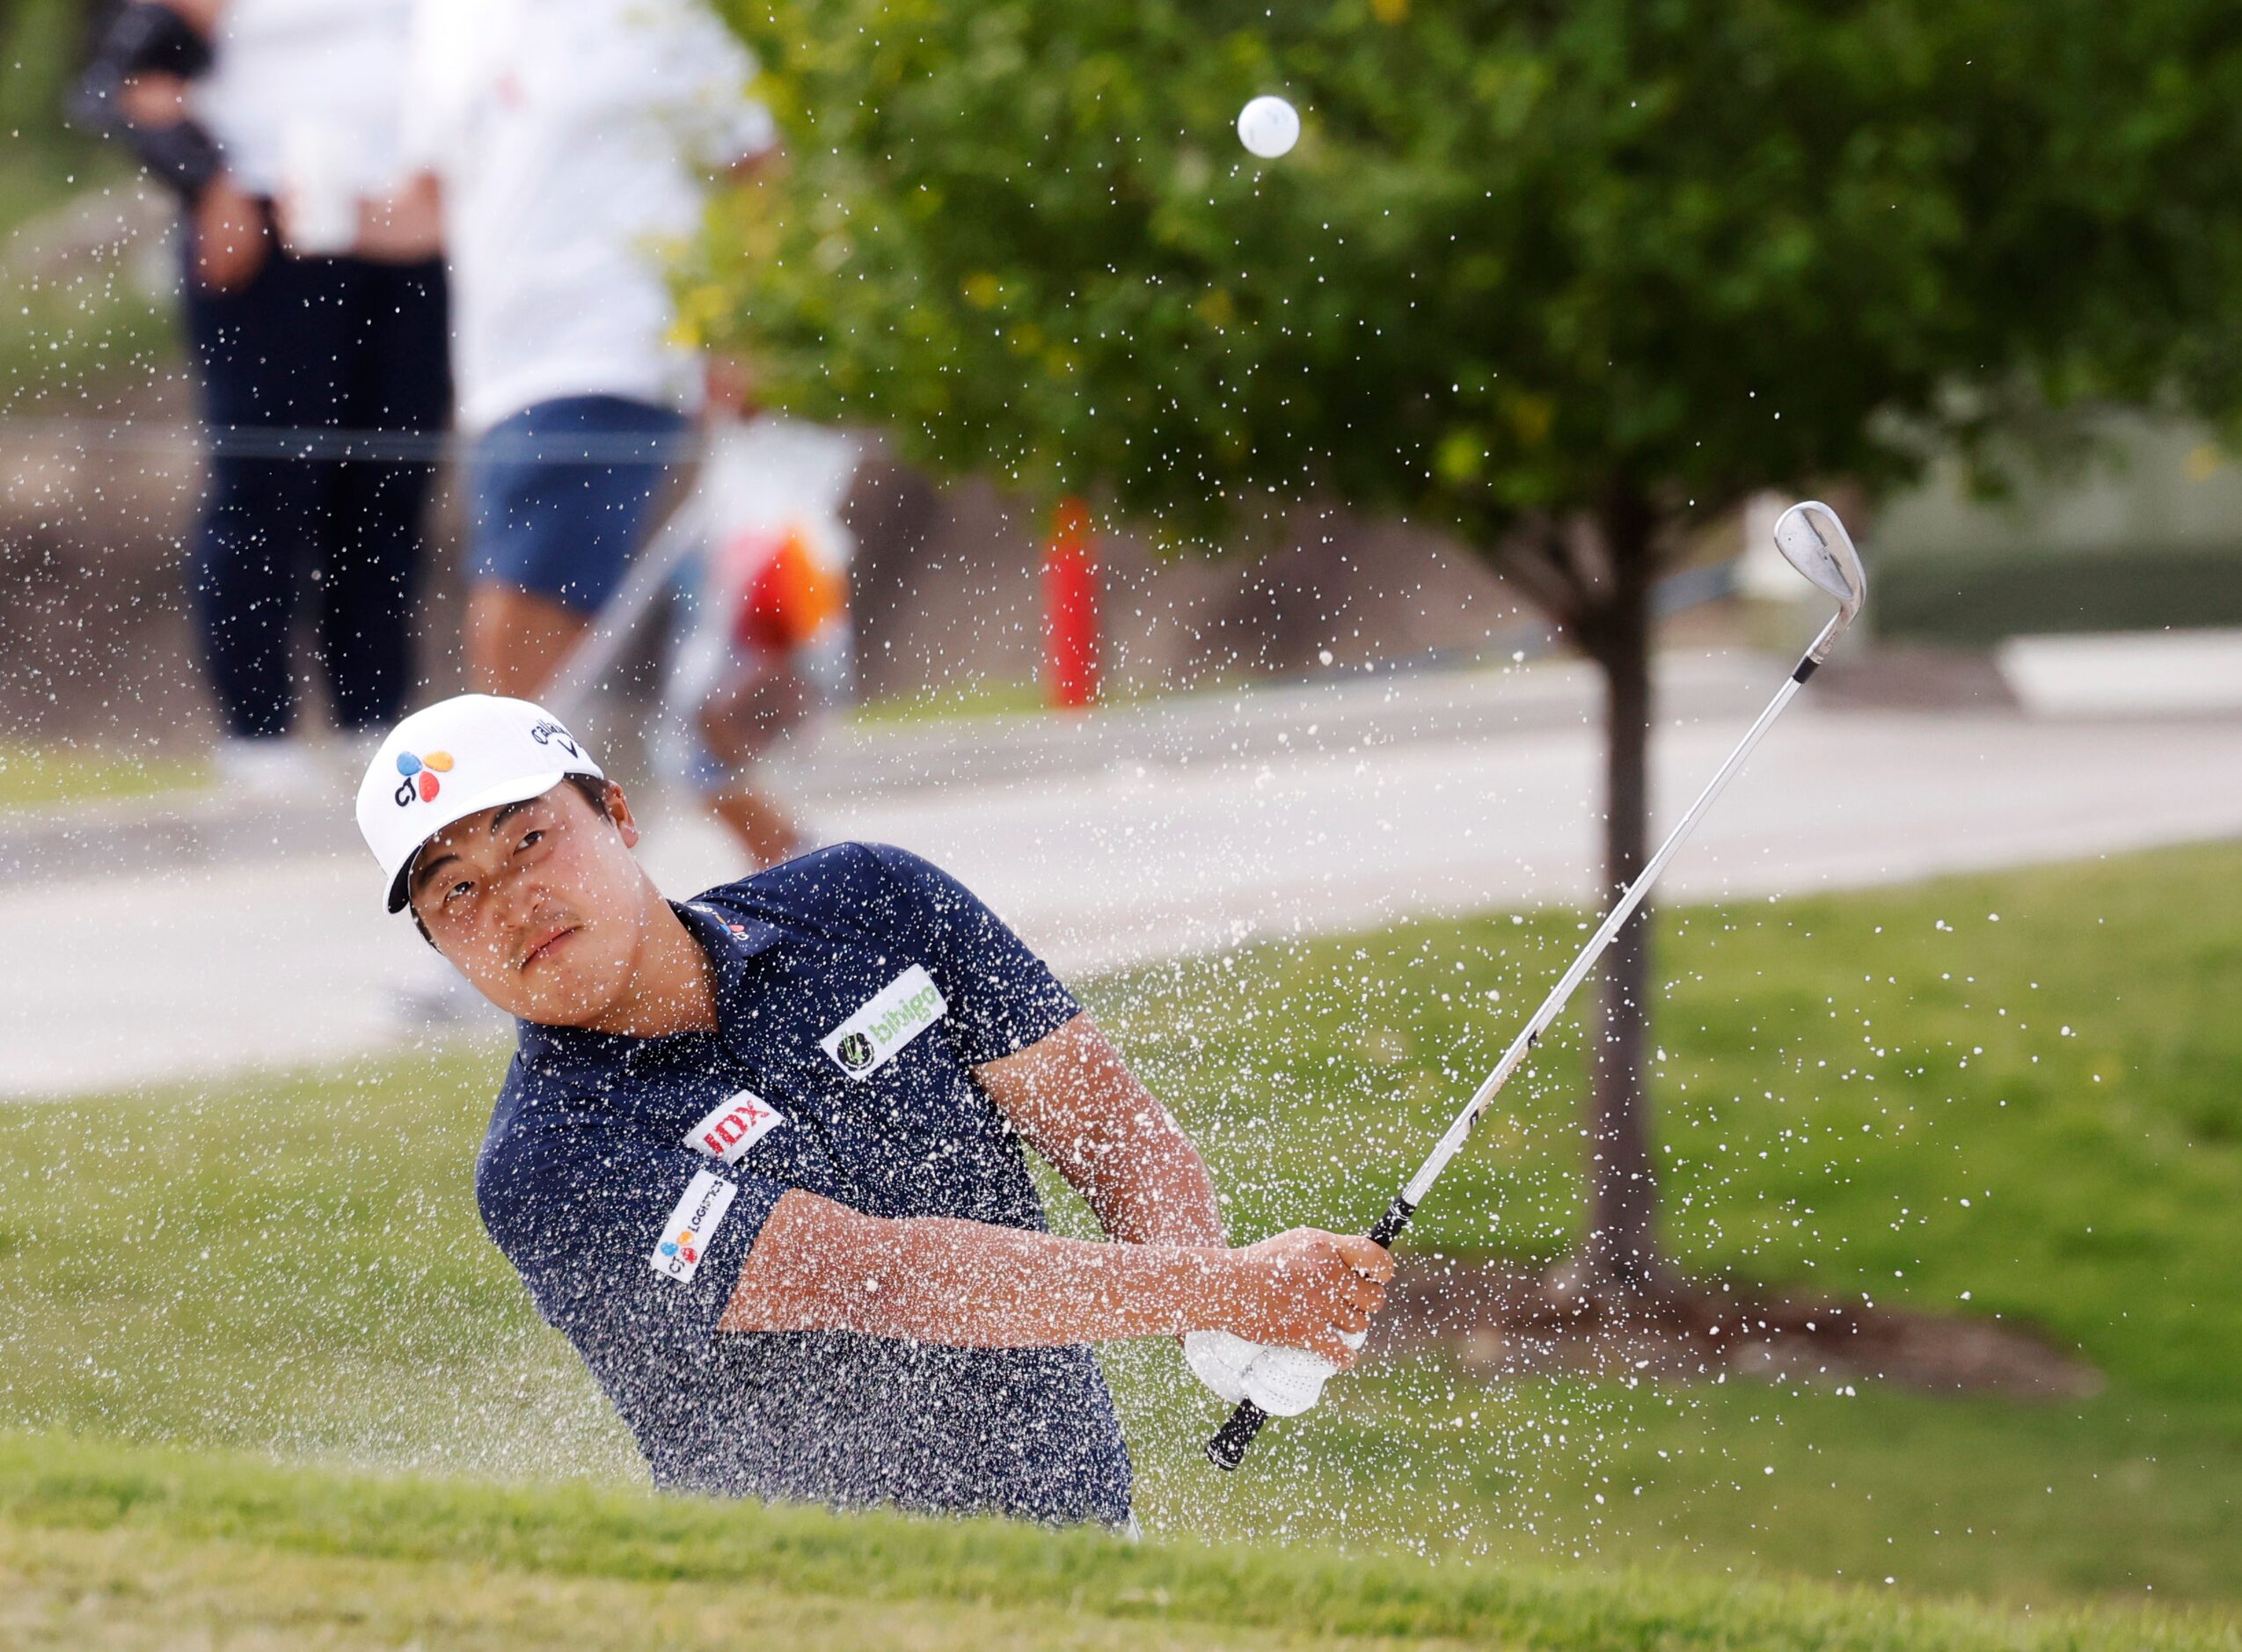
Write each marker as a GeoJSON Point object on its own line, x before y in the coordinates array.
{"type": "Point", "coordinates": [729, 942]}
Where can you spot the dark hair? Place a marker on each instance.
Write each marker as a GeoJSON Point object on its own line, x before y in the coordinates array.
{"type": "Point", "coordinates": [590, 787]}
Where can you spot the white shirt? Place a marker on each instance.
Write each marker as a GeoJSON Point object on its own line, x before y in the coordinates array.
{"type": "Point", "coordinates": [285, 71]}
{"type": "Point", "coordinates": [572, 138]}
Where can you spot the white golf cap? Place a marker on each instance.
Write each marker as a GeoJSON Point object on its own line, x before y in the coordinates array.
{"type": "Point", "coordinates": [457, 758]}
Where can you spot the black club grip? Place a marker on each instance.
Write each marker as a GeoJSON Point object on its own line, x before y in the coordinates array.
{"type": "Point", "coordinates": [1227, 1450]}
{"type": "Point", "coordinates": [1388, 1227]}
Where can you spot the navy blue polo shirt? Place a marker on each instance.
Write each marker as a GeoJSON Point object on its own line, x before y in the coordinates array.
{"type": "Point", "coordinates": [625, 1179]}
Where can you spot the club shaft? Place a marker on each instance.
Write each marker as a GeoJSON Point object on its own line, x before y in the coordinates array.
{"type": "Point", "coordinates": [1229, 1446]}
{"type": "Point", "coordinates": [1554, 1005]}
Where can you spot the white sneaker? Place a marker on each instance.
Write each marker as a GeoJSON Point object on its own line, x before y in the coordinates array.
{"type": "Point", "coordinates": [280, 766]}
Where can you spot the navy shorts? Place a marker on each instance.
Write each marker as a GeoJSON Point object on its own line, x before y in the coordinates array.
{"type": "Point", "coordinates": [558, 494]}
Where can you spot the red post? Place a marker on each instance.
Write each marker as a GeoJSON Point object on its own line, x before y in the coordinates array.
{"type": "Point", "coordinates": [1071, 608]}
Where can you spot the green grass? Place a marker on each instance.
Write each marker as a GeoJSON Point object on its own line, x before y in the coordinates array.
{"type": "Point", "coordinates": [41, 776]}
{"type": "Point", "coordinates": [293, 1266]}
{"type": "Point", "coordinates": [967, 696]}
{"type": "Point", "coordinates": [974, 694]}
{"type": "Point", "coordinates": [114, 1543]}
{"type": "Point", "coordinates": [76, 333]}
{"type": "Point", "coordinates": [73, 343]}
{"type": "Point", "coordinates": [977, 696]}
{"type": "Point", "coordinates": [37, 178]}
{"type": "Point", "coordinates": [1887, 1094]}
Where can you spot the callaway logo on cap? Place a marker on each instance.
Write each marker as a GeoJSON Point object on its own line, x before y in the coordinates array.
{"type": "Point", "coordinates": [457, 758]}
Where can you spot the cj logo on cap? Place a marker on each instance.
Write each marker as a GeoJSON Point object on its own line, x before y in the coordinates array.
{"type": "Point", "coordinates": [421, 775]}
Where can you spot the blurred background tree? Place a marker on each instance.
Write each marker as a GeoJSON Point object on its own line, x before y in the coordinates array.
{"type": "Point", "coordinates": [1566, 281]}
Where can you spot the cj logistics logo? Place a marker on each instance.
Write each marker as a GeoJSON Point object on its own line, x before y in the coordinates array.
{"type": "Point", "coordinates": [421, 775]}
{"type": "Point", "coordinates": [692, 1226]}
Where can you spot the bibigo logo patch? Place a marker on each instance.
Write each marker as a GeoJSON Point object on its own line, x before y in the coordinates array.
{"type": "Point", "coordinates": [738, 1123]}
{"type": "Point", "coordinates": [873, 1037]}
{"type": "Point", "coordinates": [685, 1236]}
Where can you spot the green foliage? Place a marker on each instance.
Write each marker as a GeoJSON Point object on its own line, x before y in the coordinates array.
{"type": "Point", "coordinates": [38, 55]}
{"type": "Point", "coordinates": [1526, 258]}
{"type": "Point", "coordinates": [43, 160]}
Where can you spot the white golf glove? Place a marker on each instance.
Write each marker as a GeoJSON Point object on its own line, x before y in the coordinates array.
{"type": "Point", "coordinates": [1282, 1381]}
{"type": "Point", "coordinates": [1220, 1360]}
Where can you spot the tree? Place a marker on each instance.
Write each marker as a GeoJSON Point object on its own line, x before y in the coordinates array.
{"type": "Point", "coordinates": [1564, 280]}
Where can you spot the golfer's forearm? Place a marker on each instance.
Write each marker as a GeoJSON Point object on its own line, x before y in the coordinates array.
{"type": "Point", "coordinates": [819, 1265]}
{"type": "Point", "coordinates": [1158, 1194]}
{"type": "Point", "coordinates": [1075, 1099]}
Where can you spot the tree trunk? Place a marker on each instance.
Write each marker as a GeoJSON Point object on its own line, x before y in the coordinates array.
{"type": "Point", "coordinates": [1619, 1254]}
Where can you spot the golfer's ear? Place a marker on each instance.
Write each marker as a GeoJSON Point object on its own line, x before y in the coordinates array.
{"type": "Point", "coordinates": [619, 810]}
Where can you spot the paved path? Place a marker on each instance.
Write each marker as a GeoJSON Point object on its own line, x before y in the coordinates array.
{"type": "Point", "coordinates": [194, 971]}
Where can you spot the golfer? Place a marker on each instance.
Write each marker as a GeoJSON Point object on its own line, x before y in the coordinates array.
{"type": "Point", "coordinates": [759, 1155]}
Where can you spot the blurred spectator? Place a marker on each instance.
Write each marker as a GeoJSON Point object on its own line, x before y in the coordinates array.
{"type": "Point", "coordinates": [566, 143]}
{"type": "Point", "coordinates": [254, 111]}
{"type": "Point", "coordinates": [765, 640]}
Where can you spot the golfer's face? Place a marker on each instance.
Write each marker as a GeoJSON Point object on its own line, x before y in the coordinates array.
{"type": "Point", "coordinates": [540, 904]}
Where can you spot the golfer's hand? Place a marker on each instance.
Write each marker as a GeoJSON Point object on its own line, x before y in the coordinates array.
{"type": "Point", "coordinates": [1306, 1290]}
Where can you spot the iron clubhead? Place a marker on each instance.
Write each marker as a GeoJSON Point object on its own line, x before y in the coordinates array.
{"type": "Point", "coordinates": [1815, 542]}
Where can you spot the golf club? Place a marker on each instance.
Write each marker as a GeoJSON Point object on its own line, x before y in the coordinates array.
{"type": "Point", "coordinates": [1813, 541]}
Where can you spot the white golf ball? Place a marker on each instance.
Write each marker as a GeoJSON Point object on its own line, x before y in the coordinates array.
{"type": "Point", "coordinates": [1269, 127]}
